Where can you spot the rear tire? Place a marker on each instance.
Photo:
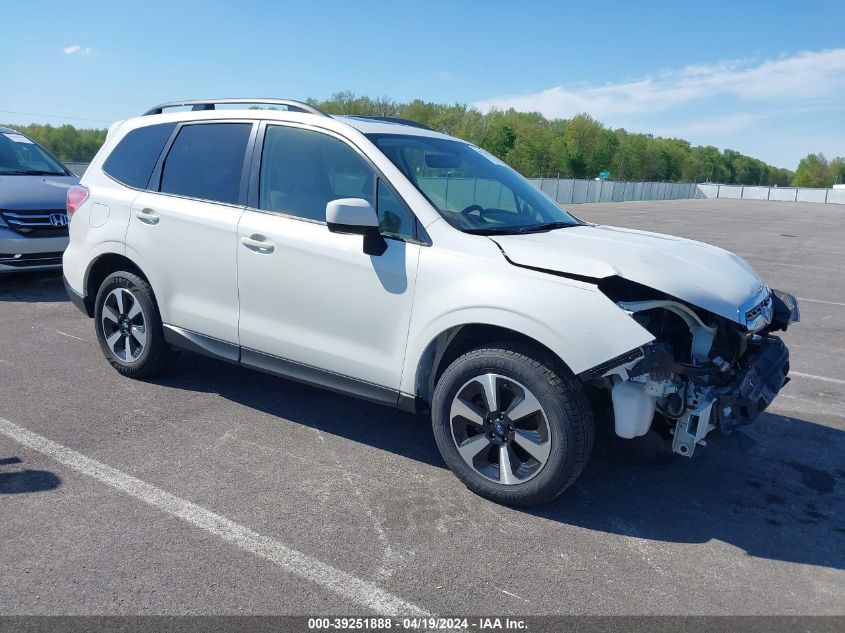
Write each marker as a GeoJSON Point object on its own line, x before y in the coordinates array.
{"type": "Point", "coordinates": [540, 421]}
{"type": "Point", "coordinates": [128, 326]}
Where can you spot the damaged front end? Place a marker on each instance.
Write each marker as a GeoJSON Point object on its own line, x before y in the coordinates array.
{"type": "Point", "coordinates": [702, 372]}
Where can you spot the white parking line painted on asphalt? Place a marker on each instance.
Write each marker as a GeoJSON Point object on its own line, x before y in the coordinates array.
{"type": "Point", "coordinates": [830, 303]}
{"type": "Point", "coordinates": [356, 590]}
{"type": "Point", "coordinates": [769, 262]}
{"type": "Point", "coordinates": [836, 381]}
{"type": "Point", "coordinates": [70, 336]}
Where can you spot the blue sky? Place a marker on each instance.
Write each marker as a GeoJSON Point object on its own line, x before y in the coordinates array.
{"type": "Point", "coordinates": [764, 78]}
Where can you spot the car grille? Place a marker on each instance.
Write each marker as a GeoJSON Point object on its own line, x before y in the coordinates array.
{"type": "Point", "coordinates": [30, 259]}
{"type": "Point", "coordinates": [37, 223]}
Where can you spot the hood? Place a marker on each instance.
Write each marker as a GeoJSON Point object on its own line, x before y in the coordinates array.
{"type": "Point", "coordinates": [35, 192]}
{"type": "Point", "coordinates": [703, 275]}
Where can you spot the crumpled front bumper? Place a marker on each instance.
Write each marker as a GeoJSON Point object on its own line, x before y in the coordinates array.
{"type": "Point", "coordinates": [765, 371]}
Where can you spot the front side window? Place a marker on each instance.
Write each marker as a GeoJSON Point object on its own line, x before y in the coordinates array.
{"type": "Point", "coordinates": [19, 156]}
{"type": "Point", "coordinates": [302, 171]}
{"type": "Point", "coordinates": [395, 219]}
{"type": "Point", "coordinates": [474, 191]}
{"type": "Point", "coordinates": [206, 161]}
{"type": "Point", "coordinates": [135, 156]}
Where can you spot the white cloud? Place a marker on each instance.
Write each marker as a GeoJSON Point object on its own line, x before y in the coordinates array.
{"type": "Point", "coordinates": [720, 124]}
{"type": "Point", "coordinates": [789, 79]}
{"type": "Point", "coordinates": [73, 50]}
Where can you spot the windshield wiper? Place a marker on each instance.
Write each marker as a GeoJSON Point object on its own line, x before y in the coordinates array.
{"type": "Point", "coordinates": [518, 230]}
{"type": "Point", "coordinates": [542, 228]}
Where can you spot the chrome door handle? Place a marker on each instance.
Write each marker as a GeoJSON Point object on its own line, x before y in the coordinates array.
{"type": "Point", "coordinates": [148, 216]}
{"type": "Point", "coordinates": [258, 245]}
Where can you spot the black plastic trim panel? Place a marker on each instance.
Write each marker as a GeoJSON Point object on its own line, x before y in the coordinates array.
{"type": "Point", "coordinates": [201, 344]}
{"type": "Point", "coordinates": [80, 301]}
{"type": "Point", "coordinates": [292, 370]}
{"type": "Point", "coordinates": [318, 377]}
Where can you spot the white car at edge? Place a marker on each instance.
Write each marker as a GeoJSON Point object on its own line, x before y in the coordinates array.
{"type": "Point", "coordinates": [387, 261]}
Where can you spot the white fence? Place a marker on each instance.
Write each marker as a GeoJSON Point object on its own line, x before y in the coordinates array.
{"type": "Point", "coordinates": [782, 194]}
{"type": "Point", "coordinates": [77, 168]}
{"type": "Point", "coordinates": [573, 191]}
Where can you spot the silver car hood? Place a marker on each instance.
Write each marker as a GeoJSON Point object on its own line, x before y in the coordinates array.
{"type": "Point", "coordinates": [703, 275]}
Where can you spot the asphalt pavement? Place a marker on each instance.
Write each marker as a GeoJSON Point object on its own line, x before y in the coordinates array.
{"type": "Point", "coordinates": [219, 490]}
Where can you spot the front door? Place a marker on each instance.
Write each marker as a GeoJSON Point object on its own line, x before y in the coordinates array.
{"type": "Point", "coordinates": [313, 301]}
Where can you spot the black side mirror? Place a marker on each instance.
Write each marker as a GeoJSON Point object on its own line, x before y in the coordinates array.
{"type": "Point", "coordinates": [374, 243]}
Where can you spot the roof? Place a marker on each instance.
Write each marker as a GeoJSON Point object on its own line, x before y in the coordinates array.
{"type": "Point", "coordinates": [284, 109]}
{"type": "Point", "coordinates": [380, 126]}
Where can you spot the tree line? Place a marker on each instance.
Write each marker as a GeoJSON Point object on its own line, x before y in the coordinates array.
{"type": "Point", "coordinates": [68, 143]}
{"type": "Point", "coordinates": [580, 147]}
{"type": "Point", "coordinates": [535, 146]}
{"type": "Point", "coordinates": [815, 170]}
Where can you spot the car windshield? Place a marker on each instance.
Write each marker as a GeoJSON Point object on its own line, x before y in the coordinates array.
{"type": "Point", "coordinates": [20, 156]}
{"type": "Point", "coordinates": [472, 189]}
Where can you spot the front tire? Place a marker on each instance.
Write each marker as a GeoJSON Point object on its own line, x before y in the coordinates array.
{"type": "Point", "coordinates": [128, 326]}
{"type": "Point", "coordinates": [512, 424]}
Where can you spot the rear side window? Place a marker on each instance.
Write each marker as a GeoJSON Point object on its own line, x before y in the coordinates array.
{"type": "Point", "coordinates": [134, 158]}
{"type": "Point", "coordinates": [206, 161]}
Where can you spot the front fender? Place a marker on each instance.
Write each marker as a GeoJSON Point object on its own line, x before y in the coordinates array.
{"type": "Point", "coordinates": [573, 319]}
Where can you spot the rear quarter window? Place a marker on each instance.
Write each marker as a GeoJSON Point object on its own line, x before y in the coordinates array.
{"type": "Point", "coordinates": [135, 156]}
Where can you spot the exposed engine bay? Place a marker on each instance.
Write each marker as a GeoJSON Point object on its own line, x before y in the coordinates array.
{"type": "Point", "coordinates": [702, 372]}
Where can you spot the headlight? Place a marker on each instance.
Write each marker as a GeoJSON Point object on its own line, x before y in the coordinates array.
{"type": "Point", "coordinates": [786, 303]}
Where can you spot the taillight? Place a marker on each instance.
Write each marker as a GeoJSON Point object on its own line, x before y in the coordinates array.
{"type": "Point", "coordinates": [75, 196]}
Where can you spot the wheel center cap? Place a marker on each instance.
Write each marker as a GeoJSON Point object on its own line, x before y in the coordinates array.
{"type": "Point", "coordinates": [500, 427]}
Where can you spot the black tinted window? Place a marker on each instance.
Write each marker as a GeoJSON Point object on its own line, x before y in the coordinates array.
{"type": "Point", "coordinates": [134, 158]}
{"type": "Point", "coordinates": [302, 171]}
{"type": "Point", "coordinates": [206, 160]}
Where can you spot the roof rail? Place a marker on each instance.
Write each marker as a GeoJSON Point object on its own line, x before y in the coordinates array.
{"type": "Point", "coordinates": [210, 104]}
{"type": "Point", "coordinates": [391, 119]}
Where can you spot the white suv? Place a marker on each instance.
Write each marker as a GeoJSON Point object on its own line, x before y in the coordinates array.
{"type": "Point", "coordinates": [387, 261]}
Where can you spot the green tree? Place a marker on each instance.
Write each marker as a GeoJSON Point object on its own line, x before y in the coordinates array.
{"type": "Point", "coordinates": [66, 142]}
{"type": "Point", "coordinates": [590, 146]}
{"type": "Point", "coordinates": [813, 171]}
{"type": "Point", "coordinates": [499, 138]}
{"type": "Point", "coordinates": [837, 170]}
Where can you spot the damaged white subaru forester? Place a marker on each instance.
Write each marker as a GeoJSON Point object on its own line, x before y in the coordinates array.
{"type": "Point", "coordinates": [384, 260]}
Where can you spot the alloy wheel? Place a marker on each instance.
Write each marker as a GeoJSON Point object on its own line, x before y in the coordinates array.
{"type": "Point", "coordinates": [500, 429]}
{"type": "Point", "coordinates": [124, 325]}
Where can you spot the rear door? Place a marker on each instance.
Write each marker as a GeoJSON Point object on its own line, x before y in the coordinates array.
{"type": "Point", "coordinates": [183, 232]}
